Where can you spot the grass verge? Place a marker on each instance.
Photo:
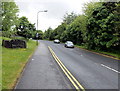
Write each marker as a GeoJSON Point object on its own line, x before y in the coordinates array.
{"type": "Point", "coordinates": [112, 54]}
{"type": "Point", "coordinates": [0, 66]}
{"type": "Point", "coordinates": [13, 61]}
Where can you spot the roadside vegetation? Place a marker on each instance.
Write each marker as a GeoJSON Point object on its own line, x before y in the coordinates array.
{"type": "Point", "coordinates": [13, 61]}
{"type": "Point", "coordinates": [0, 66]}
{"type": "Point", "coordinates": [97, 29]}
{"type": "Point", "coordinates": [14, 27]}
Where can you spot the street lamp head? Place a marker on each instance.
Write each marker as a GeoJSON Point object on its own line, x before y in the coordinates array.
{"type": "Point", "coordinates": [42, 11]}
{"type": "Point", "coordinates": [45, 10]}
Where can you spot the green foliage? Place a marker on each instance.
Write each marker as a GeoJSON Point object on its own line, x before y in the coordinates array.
{"type": "Point", "coordinates": [98, 28]}
{"type": "Point", "coordinates": [48, 34]}
{"type": "Point", "coordinates": [25, 28]}
{"type": "Point", "coordinates": [59, 30]}
{"type": "Point", "coordinates": [102, 33]}
{"type": "Point", "coordinates": [77, 29]}
{"type": "Point", "coordinates": [72, 31]}
{"type": "Point", "coordinates": [89, 8]}
{"type": "Point", "coordinates": [9, 15]}
{"type": "Point", "coordinates": [69, 18]}
{"type": "Point", "coordinates": [40, 34]}
{"type": "Point", "coordinates": [8, 34]}
{"type": "Point", "coordinates": [63, 37]}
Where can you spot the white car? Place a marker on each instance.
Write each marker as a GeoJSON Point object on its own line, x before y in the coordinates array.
{"type": "Point", "coordinates": [69, 44]}
{"type": "Point", "coordinates": [56, 41]}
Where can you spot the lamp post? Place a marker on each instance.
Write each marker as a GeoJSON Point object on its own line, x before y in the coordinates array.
{"type": "Point", "coordinates": [37, 23]}
{"type": "Point", "coordinates": [37, 16]}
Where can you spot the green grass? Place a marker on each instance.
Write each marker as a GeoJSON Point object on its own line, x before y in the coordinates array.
{"type": "Point", "coordinates": [0, 65]}
{"type": "Point", "coordinates": [13, 61]}
{"type": "Point", "coordinates": [113, 54]}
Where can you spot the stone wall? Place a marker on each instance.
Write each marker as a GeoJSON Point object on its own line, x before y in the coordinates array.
{"type": "Point", "coordinates": [14, 43]}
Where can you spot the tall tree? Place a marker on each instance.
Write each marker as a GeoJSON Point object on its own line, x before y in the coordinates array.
{"type": "Point", "coordinates": [25, 28]}
{"type": "Point", "coordinates": [9, 15]}
{"type": "Point", "coordinates": [76, 29]}
{"type": "Point", "coordinates": [48, 34]}
{"type": "Point", "coordinates": [89, 8]}
{"type": "Point", "coordinates": [69, 18]}
{"type": "Point", "coordinates": [102, 33]}
{"type": "Point", "coordinates": [59, 30]}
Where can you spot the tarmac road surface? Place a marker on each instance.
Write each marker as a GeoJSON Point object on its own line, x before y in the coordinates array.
{"type": "Point", "coordinates": [93, 71]}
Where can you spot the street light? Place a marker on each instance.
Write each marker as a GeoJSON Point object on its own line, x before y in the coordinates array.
{"type": "Point", "coordinates": [37, 16]}
{"type": "Point", "coordinates": [37, 23]}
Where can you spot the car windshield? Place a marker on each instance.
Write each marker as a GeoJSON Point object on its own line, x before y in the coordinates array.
{"type": "Point", "coordinates": [70, 43]}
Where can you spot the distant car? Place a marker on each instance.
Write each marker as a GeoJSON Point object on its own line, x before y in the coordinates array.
{"type": "Point", "coordinates": [69, 44]}
{"type": "Point", "coordinates": [56, 41]}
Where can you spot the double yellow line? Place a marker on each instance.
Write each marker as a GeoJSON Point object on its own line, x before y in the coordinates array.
{"type": "Point", "coordinates": [72, 79]}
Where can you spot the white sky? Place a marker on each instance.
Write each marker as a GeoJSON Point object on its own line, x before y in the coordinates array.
{"type": "Point", "coordinates": [56, 10]}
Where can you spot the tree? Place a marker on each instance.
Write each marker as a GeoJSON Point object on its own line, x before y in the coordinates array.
{"type": "Point", "coordinates": [102, 33]}
{"type": "Point", "coordinates": [9, 15]}
{"type": "Point", "coordinates": [64, 37]}
{"type": "Point", "coordinates": [59, 30]}
{"type": "Point", "coordinates": [76, 29]}
{"type": "Point", "coordinates": [89, 8]}
{"type": "Point", "coordinates": [25, 28]}
{"type": "Point", "coordinates": [40, 34]}
{"type": "Point", "coordinates": [48, 34]}
{"type": "Point", "coordinates": [69, 18]}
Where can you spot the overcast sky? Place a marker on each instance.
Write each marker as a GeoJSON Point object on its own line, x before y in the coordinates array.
{"type": "Point", "coordinates": [56, 10]}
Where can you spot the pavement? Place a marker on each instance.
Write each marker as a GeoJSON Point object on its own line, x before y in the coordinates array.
{"type": "Point", "coordinates": [41, 72]}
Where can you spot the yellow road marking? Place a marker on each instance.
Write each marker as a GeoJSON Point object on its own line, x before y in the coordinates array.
{"type": "Point", "coordinates": [72, 79]}
{"type": "Point", "coordinates": [66, 73]}
{"type": "Point", "coordinates": [71, 75]}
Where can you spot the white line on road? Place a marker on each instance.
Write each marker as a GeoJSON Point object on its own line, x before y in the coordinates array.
{"type": "Point", "coordinates": [110, 68]}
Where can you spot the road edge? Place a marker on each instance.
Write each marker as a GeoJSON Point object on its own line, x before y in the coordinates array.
{"type": "Point", "coordinates": [23, 69]}
{"type": "Point", "coordinates": [102, 54]}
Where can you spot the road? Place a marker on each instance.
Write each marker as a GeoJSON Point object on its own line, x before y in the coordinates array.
{"type": "Point", "coordinates": [93, 71]}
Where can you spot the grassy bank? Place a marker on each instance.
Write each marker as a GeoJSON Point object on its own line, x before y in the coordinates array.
{"type": "Point", "coordinates": [113, 54]}
{"type": "Point", "coordinates": [13, 61]}
{"type": "Point", "coordinates": [0, 65]}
